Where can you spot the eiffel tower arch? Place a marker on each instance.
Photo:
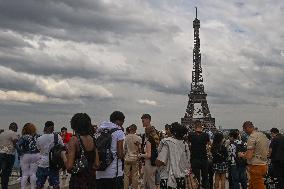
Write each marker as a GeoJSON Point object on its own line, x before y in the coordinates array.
{"type": "Point", "coordinates": [197, 107]}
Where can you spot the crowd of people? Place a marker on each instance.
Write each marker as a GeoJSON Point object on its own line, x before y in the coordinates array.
{"type": "Point", "coordinates": [113, 157]}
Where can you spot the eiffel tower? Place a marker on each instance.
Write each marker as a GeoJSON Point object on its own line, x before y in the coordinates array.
{"type": "Point", "coordinates": [197, 108]}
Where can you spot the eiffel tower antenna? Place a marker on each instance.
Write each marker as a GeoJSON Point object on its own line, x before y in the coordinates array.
{"type": "Point", "coordinates": [197, 108]}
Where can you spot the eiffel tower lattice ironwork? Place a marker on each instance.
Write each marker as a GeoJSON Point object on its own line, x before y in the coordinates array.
{"type": "Point", "coordinates": [197, 108]}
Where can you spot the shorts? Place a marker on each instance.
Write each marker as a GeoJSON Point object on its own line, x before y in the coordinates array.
{"type": "Point", "coordinates": [157, 177]}
{"type": "Point", "coordinates": [43, 173]}
{"type": "Point", "coordinates": [220, 167]}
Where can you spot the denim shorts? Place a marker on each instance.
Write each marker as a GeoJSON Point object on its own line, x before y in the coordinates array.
{"type": "Point", "coordinates": [43, 173]}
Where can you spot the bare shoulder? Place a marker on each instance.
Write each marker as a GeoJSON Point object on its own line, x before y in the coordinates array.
{"type": "Point", "coordinates": [73, 140]}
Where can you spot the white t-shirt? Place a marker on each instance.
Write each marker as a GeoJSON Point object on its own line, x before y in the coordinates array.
{"type": "Point", "coordinates": [111, 170]}
{"type": "Point", "coordinates": [175, 154]}
{"type": "Point", "coordinates": [44, 144]}
{"type": "Point", "coordinates": [6, 142]}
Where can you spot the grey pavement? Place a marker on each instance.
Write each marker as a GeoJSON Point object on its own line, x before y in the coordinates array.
{"type": "Point", "coordinates": [15, 183]}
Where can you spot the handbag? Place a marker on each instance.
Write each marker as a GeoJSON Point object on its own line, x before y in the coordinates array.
{"type": "Point", "coordinates": [191, 181]}
{"type": "Point", "coordinates": [81, 162]}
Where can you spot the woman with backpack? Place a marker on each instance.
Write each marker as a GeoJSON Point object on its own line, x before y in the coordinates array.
{"type": "Point", "coordinates": [220, 156]}
{"type": "Point", "coordinates": [29, 154]}
{"type": "Point", "coordinates": [173, 158]}
{"type": "Point", "coordinates": [150, 156]}
{"type": "Point", "coordinates": [81, 157]}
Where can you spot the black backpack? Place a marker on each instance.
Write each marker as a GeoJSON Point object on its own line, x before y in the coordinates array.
{"type": "Point", "coordinates": [55, 160]}
{"type": "Point", "coordinates": [103, 144]}
{"type": "Point", "coordinates": [154, 151]}
{"type": "Point", "coordinates": [240, 148]}
{"type": "Point", "coordinates": [154, 155]}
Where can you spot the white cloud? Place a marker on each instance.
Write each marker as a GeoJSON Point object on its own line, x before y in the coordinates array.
{"type": "Point", "coordinates": [29, 97]}
{"type": "Point", "coordinates": [59, 88]}
{"type": "Point", "coordinates": [72, 88]}
{"type": "Point", "coordinates": [147, 102]}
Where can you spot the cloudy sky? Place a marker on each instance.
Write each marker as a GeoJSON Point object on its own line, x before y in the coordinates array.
{"type": "Point", "coordinates": [96, 56]}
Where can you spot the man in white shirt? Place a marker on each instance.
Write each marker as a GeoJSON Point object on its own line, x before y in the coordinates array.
{"type": "Point", "coordinates": [44, 144]}
{"type": "Point", "coordinates": [8, 140]}
{"type": "Point", "coordinates": [112, 176]}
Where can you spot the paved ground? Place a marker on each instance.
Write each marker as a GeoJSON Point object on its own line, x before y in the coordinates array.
{"type": "Point", "coordinates": [15, 183]}
{"type": "Point", "coordinates": [64, 185]}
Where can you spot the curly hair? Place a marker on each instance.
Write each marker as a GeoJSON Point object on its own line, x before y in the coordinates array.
{"type": "Point", "coordinates": [116, 116]}
{"type": "Point", "coordinates": [29, 129]}
{"type": "Point", "coordinates": [178, 131]}
{"type": "Point", "coordinates": [81, 123]}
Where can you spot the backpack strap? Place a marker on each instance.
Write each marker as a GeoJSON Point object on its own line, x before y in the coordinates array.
{"type": "Point", "coordinates": [95, 144]}
{"type": "Point", "coordinates": [50, 153]}
{"type": "Point", "coordinates": [113, 130]}
{"type": "Point", "coordinates": [55, 138]}
{"type": "Point", "coordinates": [143, 142]}
{"type": "Point", "coordinates": [116, 174]}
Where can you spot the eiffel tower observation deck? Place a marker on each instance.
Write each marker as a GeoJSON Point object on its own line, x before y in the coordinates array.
{"type": "Point", "coordinates": [197, 108]}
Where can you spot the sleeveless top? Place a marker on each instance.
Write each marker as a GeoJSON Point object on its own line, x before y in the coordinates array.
{"type": "Point", "coordinates": [84, 180]}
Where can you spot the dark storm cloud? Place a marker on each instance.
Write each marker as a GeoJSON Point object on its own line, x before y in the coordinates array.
{"type": "Point", "coordinates": [267, 75]}
{"type": "Point", "coordinates": [180, 88]}
{"type": "Point", "coordinates": [225, 96]}
{"type": "Point", "coordinates": [64, 67]}
{"type": "Point", "coordinates": [10, 40]}
{"type": "Point", "coordinates": [71, 20]}
{"type": "Point", "coordinates": [10, 80]}
{"type": "Point", "coordinates": [272, 58]}
{"type": "Point", "coordinates": [48, 66]}
{"type": "Point", "coordinates": [239, 99]}
{"type": "Point", "coordinates": [94, 22]}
